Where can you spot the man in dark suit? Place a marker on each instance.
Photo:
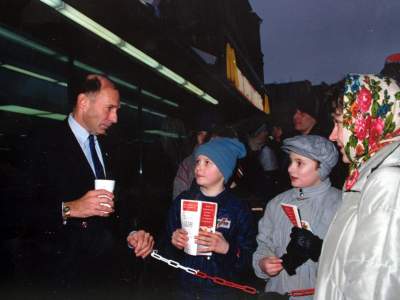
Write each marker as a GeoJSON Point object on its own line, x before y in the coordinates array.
{"type": "Point", "coordinates": [75, 229]}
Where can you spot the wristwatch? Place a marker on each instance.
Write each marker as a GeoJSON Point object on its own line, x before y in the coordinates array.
{"type": "Point", "coordinates": [66, 211]}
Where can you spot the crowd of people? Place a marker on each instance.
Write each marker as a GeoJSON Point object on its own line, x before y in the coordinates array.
{"type": "Point", "coordinates": [336, 244]}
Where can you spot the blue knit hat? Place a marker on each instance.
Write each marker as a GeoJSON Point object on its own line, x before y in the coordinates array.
{"type": "Point", "coordinates": [223, 152]}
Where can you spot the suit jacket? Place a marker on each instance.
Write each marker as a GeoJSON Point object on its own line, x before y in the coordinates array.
{"type": "Point", "coordinates": [60, 172]}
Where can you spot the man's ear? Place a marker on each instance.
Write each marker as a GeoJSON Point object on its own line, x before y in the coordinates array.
{"type": "Point", "coordinates": [82, 102]}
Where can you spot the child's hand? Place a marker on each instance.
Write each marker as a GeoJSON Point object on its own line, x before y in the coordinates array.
{"type": "Point", "coordinates": [271, 265]}
{"type": "Point", "coordinates": [214, 242]}
{"type": "Point", "coordinates": [179, 238]}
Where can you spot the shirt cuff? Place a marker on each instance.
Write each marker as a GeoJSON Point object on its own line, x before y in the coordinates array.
{"type": "Point", "coordinates": [62, 214]}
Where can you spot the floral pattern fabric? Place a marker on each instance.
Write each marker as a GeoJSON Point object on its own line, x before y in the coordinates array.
{"type": "Point", "coordinates": [371, 118]}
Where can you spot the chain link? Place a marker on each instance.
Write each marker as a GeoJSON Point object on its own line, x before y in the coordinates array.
{"type": "Point", "coordinates": [191, 271]}
{"type": "Point", "coordinates": [171, 262]}
{"type": "Point", "coordinates": [301, 293]}
{"type": "Point", "coordinates": [221, 281]}
{"type": "Point", "coordinates": [198, 273]}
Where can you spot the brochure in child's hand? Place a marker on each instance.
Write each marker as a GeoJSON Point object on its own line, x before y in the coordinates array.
{"type": "Point", "coordinates": [292, 213]}
{"type": "Point", "coordinates": [197, 216]}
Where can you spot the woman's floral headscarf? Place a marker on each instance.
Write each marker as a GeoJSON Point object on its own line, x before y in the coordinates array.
{"type": "Point", "coordinates": [371, 118]}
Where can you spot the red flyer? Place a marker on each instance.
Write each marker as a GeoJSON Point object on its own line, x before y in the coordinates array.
{"type": "Point", "coordinates": [196, 216]}
{"type": "Point", "coordinates": [292, 212]}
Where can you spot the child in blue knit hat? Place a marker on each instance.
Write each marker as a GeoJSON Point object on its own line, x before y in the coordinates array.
{"type": "Point", "coordinates": [233, 242]}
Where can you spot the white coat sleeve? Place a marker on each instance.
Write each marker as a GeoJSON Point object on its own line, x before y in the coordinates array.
{"type": "Point", "coordinates": [373, 265]}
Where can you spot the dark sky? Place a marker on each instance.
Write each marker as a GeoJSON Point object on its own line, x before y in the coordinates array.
{"type": "Point", "coordinates": [322, 40]}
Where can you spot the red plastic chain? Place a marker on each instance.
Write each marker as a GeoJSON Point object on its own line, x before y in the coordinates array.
{"type": "Point", "coordinates": [221, 281]}
{"type": "Point", "coordinates": [300, 293]}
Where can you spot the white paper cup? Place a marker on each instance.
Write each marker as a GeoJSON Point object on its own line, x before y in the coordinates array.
{"type": "Point", "coordinates": [104, 184]}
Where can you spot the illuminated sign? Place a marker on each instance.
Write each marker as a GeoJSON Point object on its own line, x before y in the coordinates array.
{"type": "Point", "coordinates": [242, 84]}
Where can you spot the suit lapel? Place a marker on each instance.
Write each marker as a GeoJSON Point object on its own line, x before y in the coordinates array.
{"type": "Point", "coordinates": [74, 151]}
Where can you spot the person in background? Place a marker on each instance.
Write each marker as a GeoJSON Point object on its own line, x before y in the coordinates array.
{"type": "Point", "coordinates": [269, 163]}
{"type": "Point", "coordinates": [277, 134]}
{"type": "Point", "coordinates": [305, 118]}
{"type": "Point", "coordinates": [259, 167]}
{"type": "Point", "coordinates": [360, 255]}
{"type": "Point", "coordinates": [234, 240]}
{"type": "Point", "coordinates": [392, 67]}
{"type": "Point", "coordinates": [206, 123]}
{"type": "Point", "coordinates": [310, 117]}
{"type": "Point", "coordinates": [287, 256]}
{"type": "Point", "coordinates": [185, 175]}
{"type": "Point", "coordinates": [73, 229]}
{"type": "Point", "coordinates": [305, 121]}
{"type": "Point", "coordinates": [281, 179]}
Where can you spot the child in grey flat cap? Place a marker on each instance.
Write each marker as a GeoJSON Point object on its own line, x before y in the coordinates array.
{"type": "Point", "coordinates": [287, 256]}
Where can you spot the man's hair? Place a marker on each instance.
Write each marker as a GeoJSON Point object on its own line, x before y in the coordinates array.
{"type": "Point", "coordinates": [337, 104]}
{"type": "Point", "coordinates": [336, 94]}
{"type": "Point", "coordinates": [90, 85]}
{"type": "Point", "coordinates": [86, 84]}
{"type": "Point", "coordinates": [309, 103]}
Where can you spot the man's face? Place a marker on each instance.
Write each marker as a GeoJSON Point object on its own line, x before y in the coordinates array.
{"type": "Point", "coordinates": [337, 134]}
{"type": "Point", "coordinates": [303, 122]}
{"type": "Point", "coordinates": [100, 111]}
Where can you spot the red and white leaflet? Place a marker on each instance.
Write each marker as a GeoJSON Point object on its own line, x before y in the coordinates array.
{"type": "Point", "coordinates": [292, 213]}
{"type": "Point", "coordinates": [196, 216]}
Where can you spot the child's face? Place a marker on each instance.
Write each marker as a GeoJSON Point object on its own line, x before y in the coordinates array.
{"type": "Point", "coordinates": [207, 173]}
{"type": "Point", "coordinates": [303, 171]}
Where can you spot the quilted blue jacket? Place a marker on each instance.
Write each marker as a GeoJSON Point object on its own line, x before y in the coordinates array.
{"type": "Point", "coordinates": [238, 229]}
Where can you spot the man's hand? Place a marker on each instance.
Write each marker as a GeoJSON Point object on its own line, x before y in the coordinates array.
{"type": "Point", "coordinates": [271, 265]}
{"type": "Point", "coordinates": [93, 203]}
{"type": "Point", "coordinates": [179, 238]}
{"type": "Point", "coordinates": [142, 242]}
{"type": "Point", "coordinates": [214, 242]}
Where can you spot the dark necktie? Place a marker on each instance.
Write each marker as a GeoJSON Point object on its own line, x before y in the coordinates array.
{"type": "Point", "coordinates": [98, 168]}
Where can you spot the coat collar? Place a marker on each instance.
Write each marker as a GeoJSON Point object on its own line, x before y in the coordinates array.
{"type": "Point", "coordinates": [74, 150]}
{"type": "Point", "coordinates": [302, 194]}
{"type": "Point", "coordinates": [383, 157]}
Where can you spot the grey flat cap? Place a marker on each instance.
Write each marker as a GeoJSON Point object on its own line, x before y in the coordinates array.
{"type": "Point", "coordinates": [315, 147]}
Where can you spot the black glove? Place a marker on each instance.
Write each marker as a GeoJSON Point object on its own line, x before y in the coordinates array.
{"type": "Point", "coordinates": [306, 242]}
{"type": "Point", "coordinates": [293, 258]}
